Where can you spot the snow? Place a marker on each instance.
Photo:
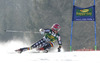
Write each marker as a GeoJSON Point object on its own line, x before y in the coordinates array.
{"type": "Point", "coordinates": [7, 55]}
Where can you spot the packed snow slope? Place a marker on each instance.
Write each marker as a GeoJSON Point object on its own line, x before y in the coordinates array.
{"type": "Point", "coordinates": [7, 55]}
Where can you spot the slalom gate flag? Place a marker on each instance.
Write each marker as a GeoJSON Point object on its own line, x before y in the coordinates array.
{"type": "Point", "coordinates": [83, 14]}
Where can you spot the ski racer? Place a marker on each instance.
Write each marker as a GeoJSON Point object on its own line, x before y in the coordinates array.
{"type": "Point", "coordinates": [50, 35]}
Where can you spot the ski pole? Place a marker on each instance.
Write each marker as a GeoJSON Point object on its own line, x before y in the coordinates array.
{"type": "Point", "coordinates": [15, 31]}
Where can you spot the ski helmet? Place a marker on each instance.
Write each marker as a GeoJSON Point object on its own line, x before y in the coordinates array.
{"type": "Point", "coordinates": [56, 27]}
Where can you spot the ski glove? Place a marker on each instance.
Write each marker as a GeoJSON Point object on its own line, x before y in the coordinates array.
{"type": "Point", "coordinates": [59, 49]}
{"type": "Point", "coordinates": [41, 31]}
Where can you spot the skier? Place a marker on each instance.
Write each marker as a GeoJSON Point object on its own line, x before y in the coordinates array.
{"type": "Point", "coordinates": [50, 35]}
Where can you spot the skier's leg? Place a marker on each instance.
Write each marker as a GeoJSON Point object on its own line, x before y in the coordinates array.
{"type": "Point", "coordinates": [37, 44]}
{"type": "Point", "coordinates": [29, 48]}
{"type": "Point", "coordinates": [46, 46]}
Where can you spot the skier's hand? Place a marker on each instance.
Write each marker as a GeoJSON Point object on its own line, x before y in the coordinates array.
{"type": "Point", "coordinates": [59, 48]}
{"type": "Point", "coordinates": [41, 31]}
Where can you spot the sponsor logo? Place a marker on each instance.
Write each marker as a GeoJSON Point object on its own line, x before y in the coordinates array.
{"type": "Point", "coordinates": [84, 12]}
{"type": "Point", "coordinates": [51, 37]}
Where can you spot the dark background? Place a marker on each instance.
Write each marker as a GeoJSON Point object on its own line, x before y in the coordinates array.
{"type": "Point", "coordinates": [31, 15]}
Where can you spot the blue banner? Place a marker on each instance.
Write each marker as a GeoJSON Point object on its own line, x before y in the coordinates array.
{"type": "Point", "coordinates": [83, 14]}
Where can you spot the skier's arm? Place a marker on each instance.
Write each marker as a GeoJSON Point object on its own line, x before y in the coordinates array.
{"type": "Point", "coordinates": [42, 31]}
{"type": "Point", "coordinates": [59, 40]}
{"type": "Point", "coordinates": [59, 43]}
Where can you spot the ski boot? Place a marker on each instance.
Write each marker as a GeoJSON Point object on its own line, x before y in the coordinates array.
{"type": "Point", "coordinates": [22, 49]}
{"type": "Point", "coordinates": [44, 50]}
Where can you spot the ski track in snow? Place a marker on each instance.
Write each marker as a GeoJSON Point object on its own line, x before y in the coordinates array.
{"type": "Point", "coordinates": [7, 55]}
